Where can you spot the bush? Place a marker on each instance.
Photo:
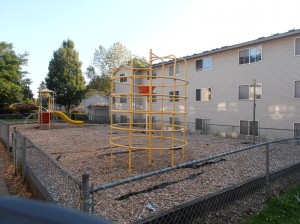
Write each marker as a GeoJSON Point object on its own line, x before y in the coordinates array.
{"type": "Point", "coordinates": [23, 107]}
{"type": "Point", "coordinates": [6, 109]}
{"type": "Point", "coordinates": [79, 116]}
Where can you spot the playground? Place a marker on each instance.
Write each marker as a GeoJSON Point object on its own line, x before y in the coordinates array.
{"type": "Point", "coordinates": [135, 145]}
{"type": "Point", "coordinates": [87, 148]}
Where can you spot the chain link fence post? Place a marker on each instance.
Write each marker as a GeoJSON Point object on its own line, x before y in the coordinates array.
{"type": "Point", "coordinates": [93, 199]}
{"type": "Point", "coordinates": [14, 149]}
{"type": "Point", "coordinates": [268, 188]}
{"type": "Point", "coordinates": [23, 147]}
{"type": "Point", "coordinates": [85, 192]}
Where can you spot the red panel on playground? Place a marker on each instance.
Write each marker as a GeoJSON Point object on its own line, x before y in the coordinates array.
{"type": "Point", "coordinates": [145, 89]}
{"type": "Point", "coordinates": [45, 118]}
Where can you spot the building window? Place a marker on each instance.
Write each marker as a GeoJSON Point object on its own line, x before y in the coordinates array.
{"type": "Point", "coordinates": [250, 55]}
{"type": "Point", "coordinates": [123, 79]}
{"type": "Point", "coordinates": [174, 96]}
{"type": "Point", "coordinates": [296, 129]}
{"type": "Point", "coordinates": [246, 128]}
{"type": "Point", "coordinates": [176, 120]}
{"type": "Point", "coordinates": [297, 89]}
{"type": "Point", "coordinates": [297, 46]}
{"type": "Point", "coordinates": [123, 119]}
{"type": "Point", "coordinates": [202, 124]}
{"type": "Point", "coordinates": [153, 74]}
{"type": "Point", "coordinates": [153, 99]}
{"type": "Point", "coordinates": [203, 94]}
{"type": "Point", "coordinates": [203, 64]}
{"type": "Point", "coordinates": [114, 119]}
{"type": "Point", "coordinates": [123, 99]}
{"type": "Point", "coordinates": [171, 70]}
{"type": "Point", "coordinates": [246, 92]}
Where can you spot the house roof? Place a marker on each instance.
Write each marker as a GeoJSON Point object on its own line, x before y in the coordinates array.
{"type": "Point", "coordinates": [225, 48]}
{"type": "Point", "coordinates": [98, 105]}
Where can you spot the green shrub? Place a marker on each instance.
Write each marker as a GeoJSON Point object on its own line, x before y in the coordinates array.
{"type": "Point", "coordinates": [22, 107]}
{"type": "Point", "coordinates": [79, 116]}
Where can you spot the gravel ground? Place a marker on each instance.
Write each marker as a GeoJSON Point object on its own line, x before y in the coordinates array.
{"type": "Point", "coordinates": [87, 149]}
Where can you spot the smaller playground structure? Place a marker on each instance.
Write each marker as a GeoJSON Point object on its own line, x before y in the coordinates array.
{"type": "Point", "coordinates": [46, 110]}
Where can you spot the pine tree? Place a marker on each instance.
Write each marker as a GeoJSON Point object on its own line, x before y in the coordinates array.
{"type": "Point", "coordinates": [65, 76]}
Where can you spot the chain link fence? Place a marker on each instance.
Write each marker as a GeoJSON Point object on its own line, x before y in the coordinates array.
{"type": "Point", "coordinates": [51, 180]}
{"type": "Point", "coordinates": [222, 188]}
{"type": "Point", "coordinates": [233, 178]}
{"type": "Point", "coordinates": [246, 132]}
{"type": "Point", "coordinates": [4, 133]}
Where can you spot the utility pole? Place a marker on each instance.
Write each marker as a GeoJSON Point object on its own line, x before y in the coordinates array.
{"type": "Point", "coordinates": [254, 107]}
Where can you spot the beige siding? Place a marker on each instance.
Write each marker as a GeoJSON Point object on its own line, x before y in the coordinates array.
{"type": "Point", "coordinates": [277, 72]}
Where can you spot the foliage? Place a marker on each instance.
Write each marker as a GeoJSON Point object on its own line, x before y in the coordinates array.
{"type": "Point", "coordinates": [79, 116]}
{"type": "Point", "coordinates": [65, 76]}
{"type": "Point", "coordinates": [23, 107]}
{"type": "Point", "coordinates": [13, 87]}
{"type": "Point", "coordinates": [104, 63]}
{"type": "Point", "coordinates": [281, 209]}
{"type": "Point", "coordinates": [27, 93]}
{"type": "Point", "coordinates": [98, 83]}
{"type": "Point", "coordinates": [42, 86]}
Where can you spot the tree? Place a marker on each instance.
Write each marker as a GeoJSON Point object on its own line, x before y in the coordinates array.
{"type": "Point", "coordinates": [42, 86]}
{"type": "Point", "coordinates": [27, 93]}
{"type": "Point", "coordinates": [65, 76]}
{"type": "Point", "coordinates": [11, 75]}
{"type": "Point", "coordinates": [104, 62]}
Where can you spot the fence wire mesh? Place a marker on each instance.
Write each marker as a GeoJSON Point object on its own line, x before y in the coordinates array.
{"type": "Point", "coordinates": [219, 189]}
{"type": "Point", "coordinates": [51, 179]}
{"type": "Point", "coordinates": [4, 133]}
{"type": "Point", "coordinates": [224, 188]}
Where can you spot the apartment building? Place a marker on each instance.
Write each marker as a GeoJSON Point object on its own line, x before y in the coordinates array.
{"type": "Point", "coordinates": [221, 86]}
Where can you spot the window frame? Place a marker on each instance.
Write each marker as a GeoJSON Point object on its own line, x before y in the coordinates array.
{"type": "Point", "coordinates": [172, 97]}
{"type": "Point", "coordinates": [123, 77]}
{"type": "Point", "coordinates": [154, 99]}
{"type": "Point", "coordinates": [205, 126]}
{"type": "Point", "coordinates": [200, 93]}
{"type": "Point", "coordinates": [123, 99]}
{"type": "Point", "coordinates": [171, 72]}
{"type": "Point", "coordinates": [249, 55]}
{"type": "Point", "coordinates": [176, 120]}
{"type": "Point", "coordinates": [123, 118]}
{"type": "Point", "coordinates": [296, 130]}
{"type": "Point", "coordinates": [249, 92]}
{"type": "Point", "coordinates": [154, 74]}
{"type": "Point", "coordinates": [203, 69]}
{"type": "Point", "coordinates": [249, 129]}
{"type": "Point", "coordinates": [296, 96]}
{"type": "Point", "coordinates": [297, 51]}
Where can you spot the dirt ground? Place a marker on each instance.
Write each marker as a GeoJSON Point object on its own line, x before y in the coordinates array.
{"type": "Point", "coordinates": [87, 149]}
{"type": "Point", "coordinates": [16, 186]}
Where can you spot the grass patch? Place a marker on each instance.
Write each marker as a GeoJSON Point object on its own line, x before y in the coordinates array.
{"type": "Point", "coordinates": [281, 209]}
{"type": "Point", "coordinates": [19, 121]}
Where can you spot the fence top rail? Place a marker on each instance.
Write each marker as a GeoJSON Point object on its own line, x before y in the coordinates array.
{"type": "Point", "coordinates": [182, 165]}
{"type": "Point", "coordinates": [47, 155]}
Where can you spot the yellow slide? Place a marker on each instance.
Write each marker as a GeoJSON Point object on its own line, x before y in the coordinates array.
{"type": "Point", "coordinates": [66, 118]}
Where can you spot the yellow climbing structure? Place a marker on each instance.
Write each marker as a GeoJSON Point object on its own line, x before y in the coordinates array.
{"type": "Point", "coordinates": [148, 107]}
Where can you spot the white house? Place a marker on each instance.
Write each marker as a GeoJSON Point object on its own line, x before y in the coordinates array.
{"type": "Point", "coordinates": [97, 107]}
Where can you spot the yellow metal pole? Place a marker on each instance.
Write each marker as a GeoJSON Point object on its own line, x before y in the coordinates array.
{"type": "Point", "coordinates": [162, 105]}
{"type": "Point", "coordinates": [150, 110]}
{"type": "Point", "coordinates": [130, 116]}
{"type": "Point", "coordinates": [111, 116]}
{"type": "Point", "coordinates": [173, 110]}
{"type": "Point", "coordinates": [49, 105]}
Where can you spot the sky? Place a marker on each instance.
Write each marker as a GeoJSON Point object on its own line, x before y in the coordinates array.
{"type": "Point", "coordinates": [167, 27]}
